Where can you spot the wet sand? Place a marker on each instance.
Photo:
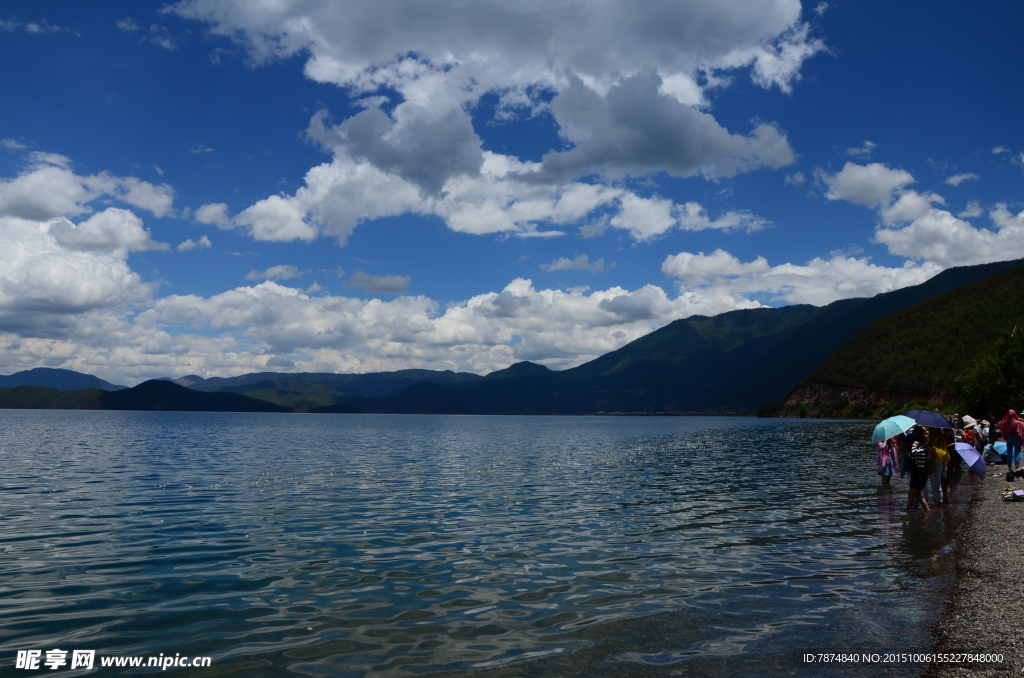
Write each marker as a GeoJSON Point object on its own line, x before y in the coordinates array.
{"type": "Point", "coordinates": [985, 612]}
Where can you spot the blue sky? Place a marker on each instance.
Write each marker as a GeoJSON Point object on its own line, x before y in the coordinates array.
{"type": "Point", "coordinates": [225, 187]}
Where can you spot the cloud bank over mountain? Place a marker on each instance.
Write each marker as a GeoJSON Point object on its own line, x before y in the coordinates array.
{"type": "Point", "coordinates": [343, 186]}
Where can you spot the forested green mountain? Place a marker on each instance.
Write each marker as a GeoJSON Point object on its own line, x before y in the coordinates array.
{"type": "Point", "coordinates": [43, 398]}
{"type": "Point", "coordinates": [149, 395]}
{"type": "Point", "coordinates": [916, 355]}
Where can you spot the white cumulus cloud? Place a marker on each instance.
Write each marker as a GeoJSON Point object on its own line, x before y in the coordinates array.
{"type": "Point", "coordinates": [214, 213]}
{"type": "Point", "coordinates": [819, 281]}
{"type": "Point", "coordinates": [913, 226]}
{"type": "Point", "coordinates": [190, 244]}
{"type": "Point", "coordinates": [644, 218]}
{"type": "Point", "coordinates": [693, 217]}
{"type": "Point", "coordinates": [627, 81]}
{"type": "Point", "coordinates": [958, 179]}
{"type": "Point", "coordinates": [45, 284]}
{"type": "Point", "coordinates": [486, 332]}
{"type": "Point", "coordinates": [338, 196]}
{"type": "Point", "coordinates": [109, 230]}
{"type": "Point", "coordinates": [871, 185]}
{"type": "Point", "coordinates": [865, 149]}
{"type": "Point", "coordinates": [49, 189]}
{"type": "Point", "coordinates": [496, 43]}
{"type": "Point", "coordinates": [973, 209]}
{"type": "Point", "coordinates": [56, 274]}
{"type": "Point", "coordinates": [940, 237]}
{"type": "Point", "coordinates": [277, 218]}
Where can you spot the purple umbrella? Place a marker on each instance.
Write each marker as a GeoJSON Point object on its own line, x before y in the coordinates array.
{"type": "Point", "coordinates": [974, 461]}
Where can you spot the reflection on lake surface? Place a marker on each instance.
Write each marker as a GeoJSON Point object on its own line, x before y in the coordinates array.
{"type": "Point", "coordinates": [352, 545]}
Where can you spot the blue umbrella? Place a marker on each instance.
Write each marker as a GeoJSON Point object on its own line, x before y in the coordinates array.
{"type": "Point", "coordinates": [974, 461]}
{"type": "Point", "coordinates": [893, 426]}
{"type": "Point", "coordinates": [997, 447]}
{"type": "Point", "coordinates": [928, 418]}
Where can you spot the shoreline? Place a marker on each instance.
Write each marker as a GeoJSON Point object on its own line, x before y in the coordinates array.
{"type": "Point", "coordinates": [986, 600]}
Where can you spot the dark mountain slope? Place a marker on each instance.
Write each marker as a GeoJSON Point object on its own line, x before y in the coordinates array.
{"type": "Point", "coordinates": [149, 395]}
{"type": "Point", "coordinates": [366, 384]}
{"type": "Point", "coordinates": [42, 398]}
{"type": "Point", "coordinates": [669, 369]}
{"type": "Point", "coordinates": [916, 353]}
{"type": "Point", "coordinates": [522, 369]}
{"type": "Point", "coordinates": [163, 395]}
{"type": "Point", "coordinates": [306, 390]}
{"type": "Point", "coordinates": [771, 377]}
{"type": "Point", "coordinates": [679, 341]}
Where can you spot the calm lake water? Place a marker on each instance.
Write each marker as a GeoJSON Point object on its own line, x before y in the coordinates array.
{"type": "Point", "coordinates": [375, 545]}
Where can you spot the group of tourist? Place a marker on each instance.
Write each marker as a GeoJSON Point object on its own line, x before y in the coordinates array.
{"type": "Point", "coordinates": [929, 454]}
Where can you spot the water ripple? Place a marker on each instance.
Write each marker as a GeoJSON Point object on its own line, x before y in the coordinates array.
{"type": "Point", "coordinates": [403, 545]}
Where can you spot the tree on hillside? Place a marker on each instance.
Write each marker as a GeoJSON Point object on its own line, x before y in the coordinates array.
{"type": "Point", "coordinates": [995, 382]}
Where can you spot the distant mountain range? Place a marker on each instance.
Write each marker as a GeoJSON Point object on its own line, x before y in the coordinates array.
{"type": "Point", "coordinates": [730, 362]}
{"type": "Point", "coordinates": [736, 360]}
{"type": "Point", "coordinates": [67, 380]}
{"type": "Point", "coordinates": [306, 391]}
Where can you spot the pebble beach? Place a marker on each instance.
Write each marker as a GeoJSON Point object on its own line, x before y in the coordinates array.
{"type": "Point", "coordinates": [985, 611]}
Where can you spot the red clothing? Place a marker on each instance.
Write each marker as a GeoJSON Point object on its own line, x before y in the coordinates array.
{"type": "Point", "coordinates": [1011, 424]}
